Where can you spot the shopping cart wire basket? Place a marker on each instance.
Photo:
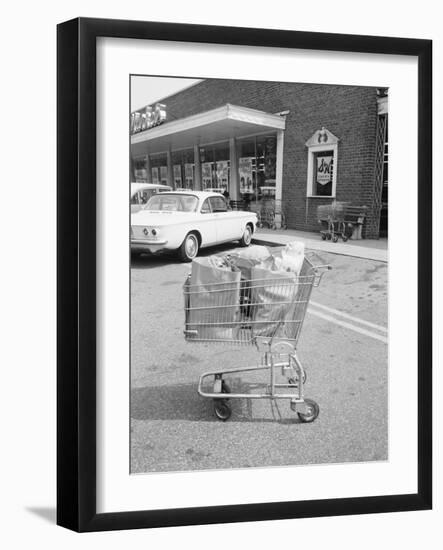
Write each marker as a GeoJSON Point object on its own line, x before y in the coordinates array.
{"type": "Point", "coordinates": [266, 312]}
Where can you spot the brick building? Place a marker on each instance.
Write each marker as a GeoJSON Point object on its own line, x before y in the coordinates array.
{"type": "Point", "coordinates": [302, 144]}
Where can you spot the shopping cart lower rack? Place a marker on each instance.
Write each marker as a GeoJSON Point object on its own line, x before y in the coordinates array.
{"type": "Point", "coordinates": [267, 313]}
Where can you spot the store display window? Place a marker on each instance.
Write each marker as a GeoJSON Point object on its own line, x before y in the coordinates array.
{"type": "Point", "coordinates": [257, 165]}
{"type": "Point", "coordinates": [183, 169]}
{"type": "Point", "coordinates": [215, 166]}
{"type": "Point", "coordinates": [140, 172]}
{"type": "Point", "coordinates": [322, 164]}
{"type": "Point", "coordinates": [159, 168]}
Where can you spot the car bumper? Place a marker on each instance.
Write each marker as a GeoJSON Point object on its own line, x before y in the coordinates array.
{"type": "Point", "coordinates": [148, 246]}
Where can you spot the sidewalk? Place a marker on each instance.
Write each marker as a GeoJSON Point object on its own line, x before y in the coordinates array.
{"type": "Point", "coordinates": [369, 249]}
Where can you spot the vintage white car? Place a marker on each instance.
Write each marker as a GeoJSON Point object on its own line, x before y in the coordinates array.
{"type": "Point", "coordinates": [187, 221]}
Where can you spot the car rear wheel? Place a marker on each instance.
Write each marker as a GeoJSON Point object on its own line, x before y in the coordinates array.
{"type": "Point", "coordinates": [247, 236]}
{"type": "Point", "coordinates": [189, 248]}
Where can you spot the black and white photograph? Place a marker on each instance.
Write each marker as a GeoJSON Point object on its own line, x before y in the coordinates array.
{"type": "Point", "coordinates": [259, 273]}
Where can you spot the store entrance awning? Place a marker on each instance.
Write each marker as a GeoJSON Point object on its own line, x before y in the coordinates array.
{"type": "Point", "coordinates": [229, 121]}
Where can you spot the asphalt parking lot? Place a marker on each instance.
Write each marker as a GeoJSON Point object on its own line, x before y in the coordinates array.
{"type": "Point", "coordinates": [343, 347]}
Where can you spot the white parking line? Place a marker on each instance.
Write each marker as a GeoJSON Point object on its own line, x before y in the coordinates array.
{"type": "Point", "coordinates": [350, 326]}
{"type": "Point", "coordinates": [350, 317]}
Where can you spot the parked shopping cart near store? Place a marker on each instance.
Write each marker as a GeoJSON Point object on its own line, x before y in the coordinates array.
{"type": "Point", "coordinates": [266, 312]}
{"type": "Point", "coordinates": [332, 218]}
{"type": "Point", "coordinates": [271, 214]}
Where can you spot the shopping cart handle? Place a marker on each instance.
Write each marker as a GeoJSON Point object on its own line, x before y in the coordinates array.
{"type": "Point", "coordinates": [319, 271]}
{"type": "Point", "coordinates": [190, 332]}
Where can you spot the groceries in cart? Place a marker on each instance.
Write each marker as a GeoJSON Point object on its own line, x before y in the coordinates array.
{"type": "Point", "coordinates": [244, 294]}
{"type": "Point", "coordinates": [255, 296]}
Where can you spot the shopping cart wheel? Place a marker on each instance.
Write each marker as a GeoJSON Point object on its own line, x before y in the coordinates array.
{"type": "Point", "coordinates": [323, 237]}
{"type": "Point", "coordinates": [329, 236]}
{"type": "Point", "coordinates": [312, 411]}
{"type": "Point", "coordinates": [345, 238]}
{"type": "Point", "coordinates": [335, 238]}
{"type": "Point", "coordinates": [221, 409]}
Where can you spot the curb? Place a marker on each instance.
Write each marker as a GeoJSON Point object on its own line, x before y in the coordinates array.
{"type": "Point", "coordinates": [352, 254]}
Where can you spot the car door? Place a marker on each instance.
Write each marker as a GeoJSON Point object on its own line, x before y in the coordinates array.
{"type": "Point", "coordinates": [227, 222]}
{"type": "Point", "coordinates": [207, 223]}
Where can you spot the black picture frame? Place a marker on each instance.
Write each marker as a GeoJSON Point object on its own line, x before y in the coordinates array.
{"type": "Point", "coordinates": [76, 274]}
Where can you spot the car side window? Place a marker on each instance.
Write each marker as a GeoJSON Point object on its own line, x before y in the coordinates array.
{"type": "Point", "coordinates": [206, 207]}
{"type": "Point", "coordinates": [145, 196]}
{"type": "Point", "coordinates": [218, 204]}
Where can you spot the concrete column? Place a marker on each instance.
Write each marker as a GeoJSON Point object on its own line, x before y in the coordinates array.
{"type": "Point", "coordinates": [233, 181]}
{"type": "Point", "coordinates": [170, 172]}
{"type": "Point", "coordinates": [148, 169]}
{"type": "Point", "coordinates": [279, 165]}
{"type": "Point", "coordinates": [197, 169]}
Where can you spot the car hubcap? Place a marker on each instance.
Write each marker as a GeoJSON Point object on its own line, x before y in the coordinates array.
{"type": "Point", "coordinates": [247, 235]}
{"type": "Point", "coordinates": [191, 247]}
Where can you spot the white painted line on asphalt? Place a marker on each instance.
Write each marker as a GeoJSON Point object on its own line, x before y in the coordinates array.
{"type": "Point", "coordinates": [350, 317]}
{"type": "Point", "coordinates": [355, 328]}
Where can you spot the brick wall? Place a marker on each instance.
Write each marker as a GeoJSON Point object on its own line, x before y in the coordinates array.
{"type": "Point", "coordinates": [349, 112]}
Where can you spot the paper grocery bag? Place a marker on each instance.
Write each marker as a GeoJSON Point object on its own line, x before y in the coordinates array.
{"type": "Point", "coordinates": [213, 300]}
{"type": "Point", "coordinates": [274, 299]}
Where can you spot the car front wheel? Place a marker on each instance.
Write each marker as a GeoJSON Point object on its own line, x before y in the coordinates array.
{"type": "Point", "coordinates": [247, 236]}
{"type": "Point", "coordinates": [189, 248]}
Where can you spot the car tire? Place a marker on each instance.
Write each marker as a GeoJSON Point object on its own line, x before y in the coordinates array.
{"type": "Point", "coordinates": [246, 237]}
{"type": "Point", "coordinates": [189, 248]}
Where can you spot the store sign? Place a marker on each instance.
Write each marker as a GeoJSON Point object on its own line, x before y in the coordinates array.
{"type": "Point", "coordinates": [324, 169]}
{"type": "Point", "coordinates": [152, 116]}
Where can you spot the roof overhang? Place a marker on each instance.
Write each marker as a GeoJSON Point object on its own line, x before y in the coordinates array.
{"type": "Point", "coordinates": [229, 121]}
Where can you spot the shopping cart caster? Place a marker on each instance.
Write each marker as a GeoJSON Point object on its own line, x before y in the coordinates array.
{"type": "Point", "coordinates": [329, 236]}
{"type": "Point", "coordinates": [310, 412]}
{"type": "Point", "coordinates": [323, 237]}
{"type": "Point", "coordinates": [335, 238]}
{"type": "Point", "coordinates": [345, 238]}
{"type": "Point", "coordinates": [222, 410]}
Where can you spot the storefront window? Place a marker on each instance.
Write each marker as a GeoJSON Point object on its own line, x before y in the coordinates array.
{"type": "Point", "coordinates": [215, 166]}
{"type": "Point", "coordinates": [183, 169]}
{"type": "Point", "coordinates": [323, 173]}
{"type": "Point", "coordinates": [257, 165]}
{"type": "Point", "coordinates": [140, 172]}
{"type": "Point", "coordinates": [322, 164]}
{"type": "Point", "coordinates": [159, 168]}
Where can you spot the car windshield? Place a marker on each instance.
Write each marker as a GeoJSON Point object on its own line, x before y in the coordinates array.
{"type": "Point", "coordinates": [172, 203]}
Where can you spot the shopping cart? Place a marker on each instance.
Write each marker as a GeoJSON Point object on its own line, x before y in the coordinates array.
{"type": "Point", "coordinates": [272, 214]}
{"type": "Point", "coordinates": [267, 313]}
{"type": "Point", "coordinates": [332, 218]}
